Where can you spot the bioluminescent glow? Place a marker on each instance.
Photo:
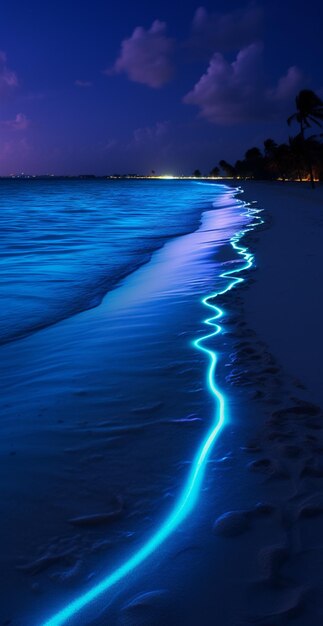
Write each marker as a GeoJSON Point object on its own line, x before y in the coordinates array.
{"type": "Point", "coordinates": [192, 486]}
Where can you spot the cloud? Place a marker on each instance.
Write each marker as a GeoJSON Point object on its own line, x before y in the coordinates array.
{"type": "Point", "coordinates": [83, 83]}
{"type": "Point", "coordinates": [287, 85]}
{"type": "Point", "coordinates": [231, 93]}
{"type": "Point", "coordinates": [148, 147]}
{"type": "Point", "coordinates": [145, 137]}
{"type": "Point", "coordinates": [15, 154]}
{"type": "Point", "coordinates": [146, 56]}
{"type": "Point", "coordinates": [150, 134]}
{"type": "Point", "coordinates": [226, 31]}
{"type": "Point", "coordinates": [20, 122]}
{"type": "Point", "coordinates": [8, 78]}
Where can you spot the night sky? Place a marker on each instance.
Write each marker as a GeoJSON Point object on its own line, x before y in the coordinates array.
{"type": "Point", "coordinates": [100, 87]}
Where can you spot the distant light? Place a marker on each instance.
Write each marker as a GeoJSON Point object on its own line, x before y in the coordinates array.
{"type": "Point", "coordinates": [167, 177]}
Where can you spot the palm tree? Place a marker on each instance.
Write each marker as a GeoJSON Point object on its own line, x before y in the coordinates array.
{"type": "Point", "coordinates": [270, 162]}
{"type": "Point", "coordinates": [254, 163]}
{"type": "Point", "coordinates": [309, 109]}
{"type": "Point", "coordinates": [270, 146]}
{"type": "Point", "coordinates": [298, 152]}
{"type": "Point", "coordinates": [283, 163]}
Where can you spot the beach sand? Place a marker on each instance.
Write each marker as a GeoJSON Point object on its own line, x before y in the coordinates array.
{"type": "Point", "coordinates": [272, 549]}
{"type": "Point", "coordinates": [103, 414]}
{"type": "Point", "coordinates": [251, 552]}
{"type": "Point", "coordinates": [256, 555]}
{"type": "Point", "coordinates": [284, 304]}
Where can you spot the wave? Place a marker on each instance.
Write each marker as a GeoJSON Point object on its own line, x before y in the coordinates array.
{"type": "Point", "coordinates": [65, 244]}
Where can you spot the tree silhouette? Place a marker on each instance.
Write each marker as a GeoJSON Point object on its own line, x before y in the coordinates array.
{"type": "Point", "coordinates": [297, 154]}
{"type": "Point", "coordinates": [269, 147]}
{"type": "Point", "coordinates": [298, 158]}
{"type": "Point", "coordinates": [215, 171]}
{"type": "Point", "coordinates": [228, 169]}
{"type": "Point", "coordinates": [252, 166]}
{"type": "Point", "coordinates": [197, 174]}
{"type": "Point", "coordinates": [309, 109]}
{"type": "Point", "coordinates": [283, 161]}
{"type": "Point", "coordinates": [270, 161]}
{"type": "Point", "coordinates": [254, 163]}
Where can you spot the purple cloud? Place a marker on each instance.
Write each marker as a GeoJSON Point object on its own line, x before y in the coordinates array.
{"type": "Point", "coordinates": [82, 83]}
{"type": "Point", "coordinates": [8, 78]}
{"type": "Point", "coordinates": [287, 85]}
{"type": "Point", "coordinates": [230, 93]}
{"type": "Point", "coordinates": [14, 154]}
{"type": "Point", "coordinates": [146, 56]}
{"type": "Point", "coordinates": [20, 122]}
{"type": "Point", "coordinates": [149, 134]}
{"type": "Point", "coordinates": [149, 147]}
{"type": "Point", "coordinates": [226, 31]}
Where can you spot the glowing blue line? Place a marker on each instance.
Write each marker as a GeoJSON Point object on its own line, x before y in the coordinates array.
{"type": "Point", "coordinates": [192, 487]}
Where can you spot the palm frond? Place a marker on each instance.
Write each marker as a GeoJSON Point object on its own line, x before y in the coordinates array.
{"type": "Point", "coordinates": [291, 119]}
{"type": "Point", "coordinates": [314, 120]}
{"type": "Point", "coordinates": [315, 136]}
{"type": "Point", "coordinates": [318, 113]}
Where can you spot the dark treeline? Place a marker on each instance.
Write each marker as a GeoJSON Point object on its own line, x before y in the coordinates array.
{"type": "Point", "coordinates": [300, 158]}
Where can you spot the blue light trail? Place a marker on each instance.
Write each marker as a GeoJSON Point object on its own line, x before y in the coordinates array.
{"type": "Point", "coordinates": [192, 486]}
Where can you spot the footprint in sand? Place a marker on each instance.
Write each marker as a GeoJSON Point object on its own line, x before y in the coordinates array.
{"type": "Point", "coordinates": [232, 523]}
{"type": "Point", "coordinates": [146, 609]}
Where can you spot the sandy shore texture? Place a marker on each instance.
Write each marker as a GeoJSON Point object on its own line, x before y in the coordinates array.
{"type": "Point", "coordinates": [256, 554]}
{"type": "Point", "coordinates": [252, 550]}
{"type": "Point", "coordinates": [284, 304]}
{"type": "Point", "coordinates": [279, 357]}
{"type": "Point", "coordinates": [260, 559]}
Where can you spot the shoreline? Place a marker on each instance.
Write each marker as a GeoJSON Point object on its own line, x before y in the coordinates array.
{"type": "Point", "coordinates": [252, 557]}
{"type": "Point", "coordinates": [259, 557]}
{"type": "Point", "coordinates": [190, 491]}
{"type": "Point", "coordinates": [283, 304]}
{"type": "Point", "coordinates": [256, 557]}
{"type": "Point", "coordinates": [145, 324]}
{"type": "Point", "coordinates": [263, 503]}
{"type": "Point", "coordinates": [106, 264]}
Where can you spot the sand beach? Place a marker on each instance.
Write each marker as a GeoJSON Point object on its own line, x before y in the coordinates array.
{"type": "Point", "coordinates": [102, 431]}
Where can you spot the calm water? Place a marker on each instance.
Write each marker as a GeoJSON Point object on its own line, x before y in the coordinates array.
{"type": "Point", "coordinates": [103, 411]}
{"type": "Point", "coordinates": [64, 244]}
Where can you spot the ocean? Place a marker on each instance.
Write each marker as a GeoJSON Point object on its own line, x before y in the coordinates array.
{"type": "Point", "coordinates": [104, 394]}
{"type": "Point", "coordinates": [64, 244]}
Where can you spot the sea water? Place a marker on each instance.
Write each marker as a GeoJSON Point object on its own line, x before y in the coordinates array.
{"type": "Point", "coordinates": [64, 244]}
{"type": "Point", "coordinates": [104, 398]}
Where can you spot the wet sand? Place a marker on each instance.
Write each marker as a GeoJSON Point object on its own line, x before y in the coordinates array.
{"type": "Point", "coordinates": [102, 425]}
{"type": "Point", "coordinates": [251, 552]}
{"type": "Point", "coordinates": [255, 556]}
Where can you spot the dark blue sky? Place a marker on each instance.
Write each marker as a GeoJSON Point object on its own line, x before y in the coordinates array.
{"type": "Point", "coordinates": [192, 85]}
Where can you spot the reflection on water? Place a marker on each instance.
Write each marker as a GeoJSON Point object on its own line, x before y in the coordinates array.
{"type": "Point", "coordinates": [103, 411]}
{"type": "Point", "coordinates": [64, 243]}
